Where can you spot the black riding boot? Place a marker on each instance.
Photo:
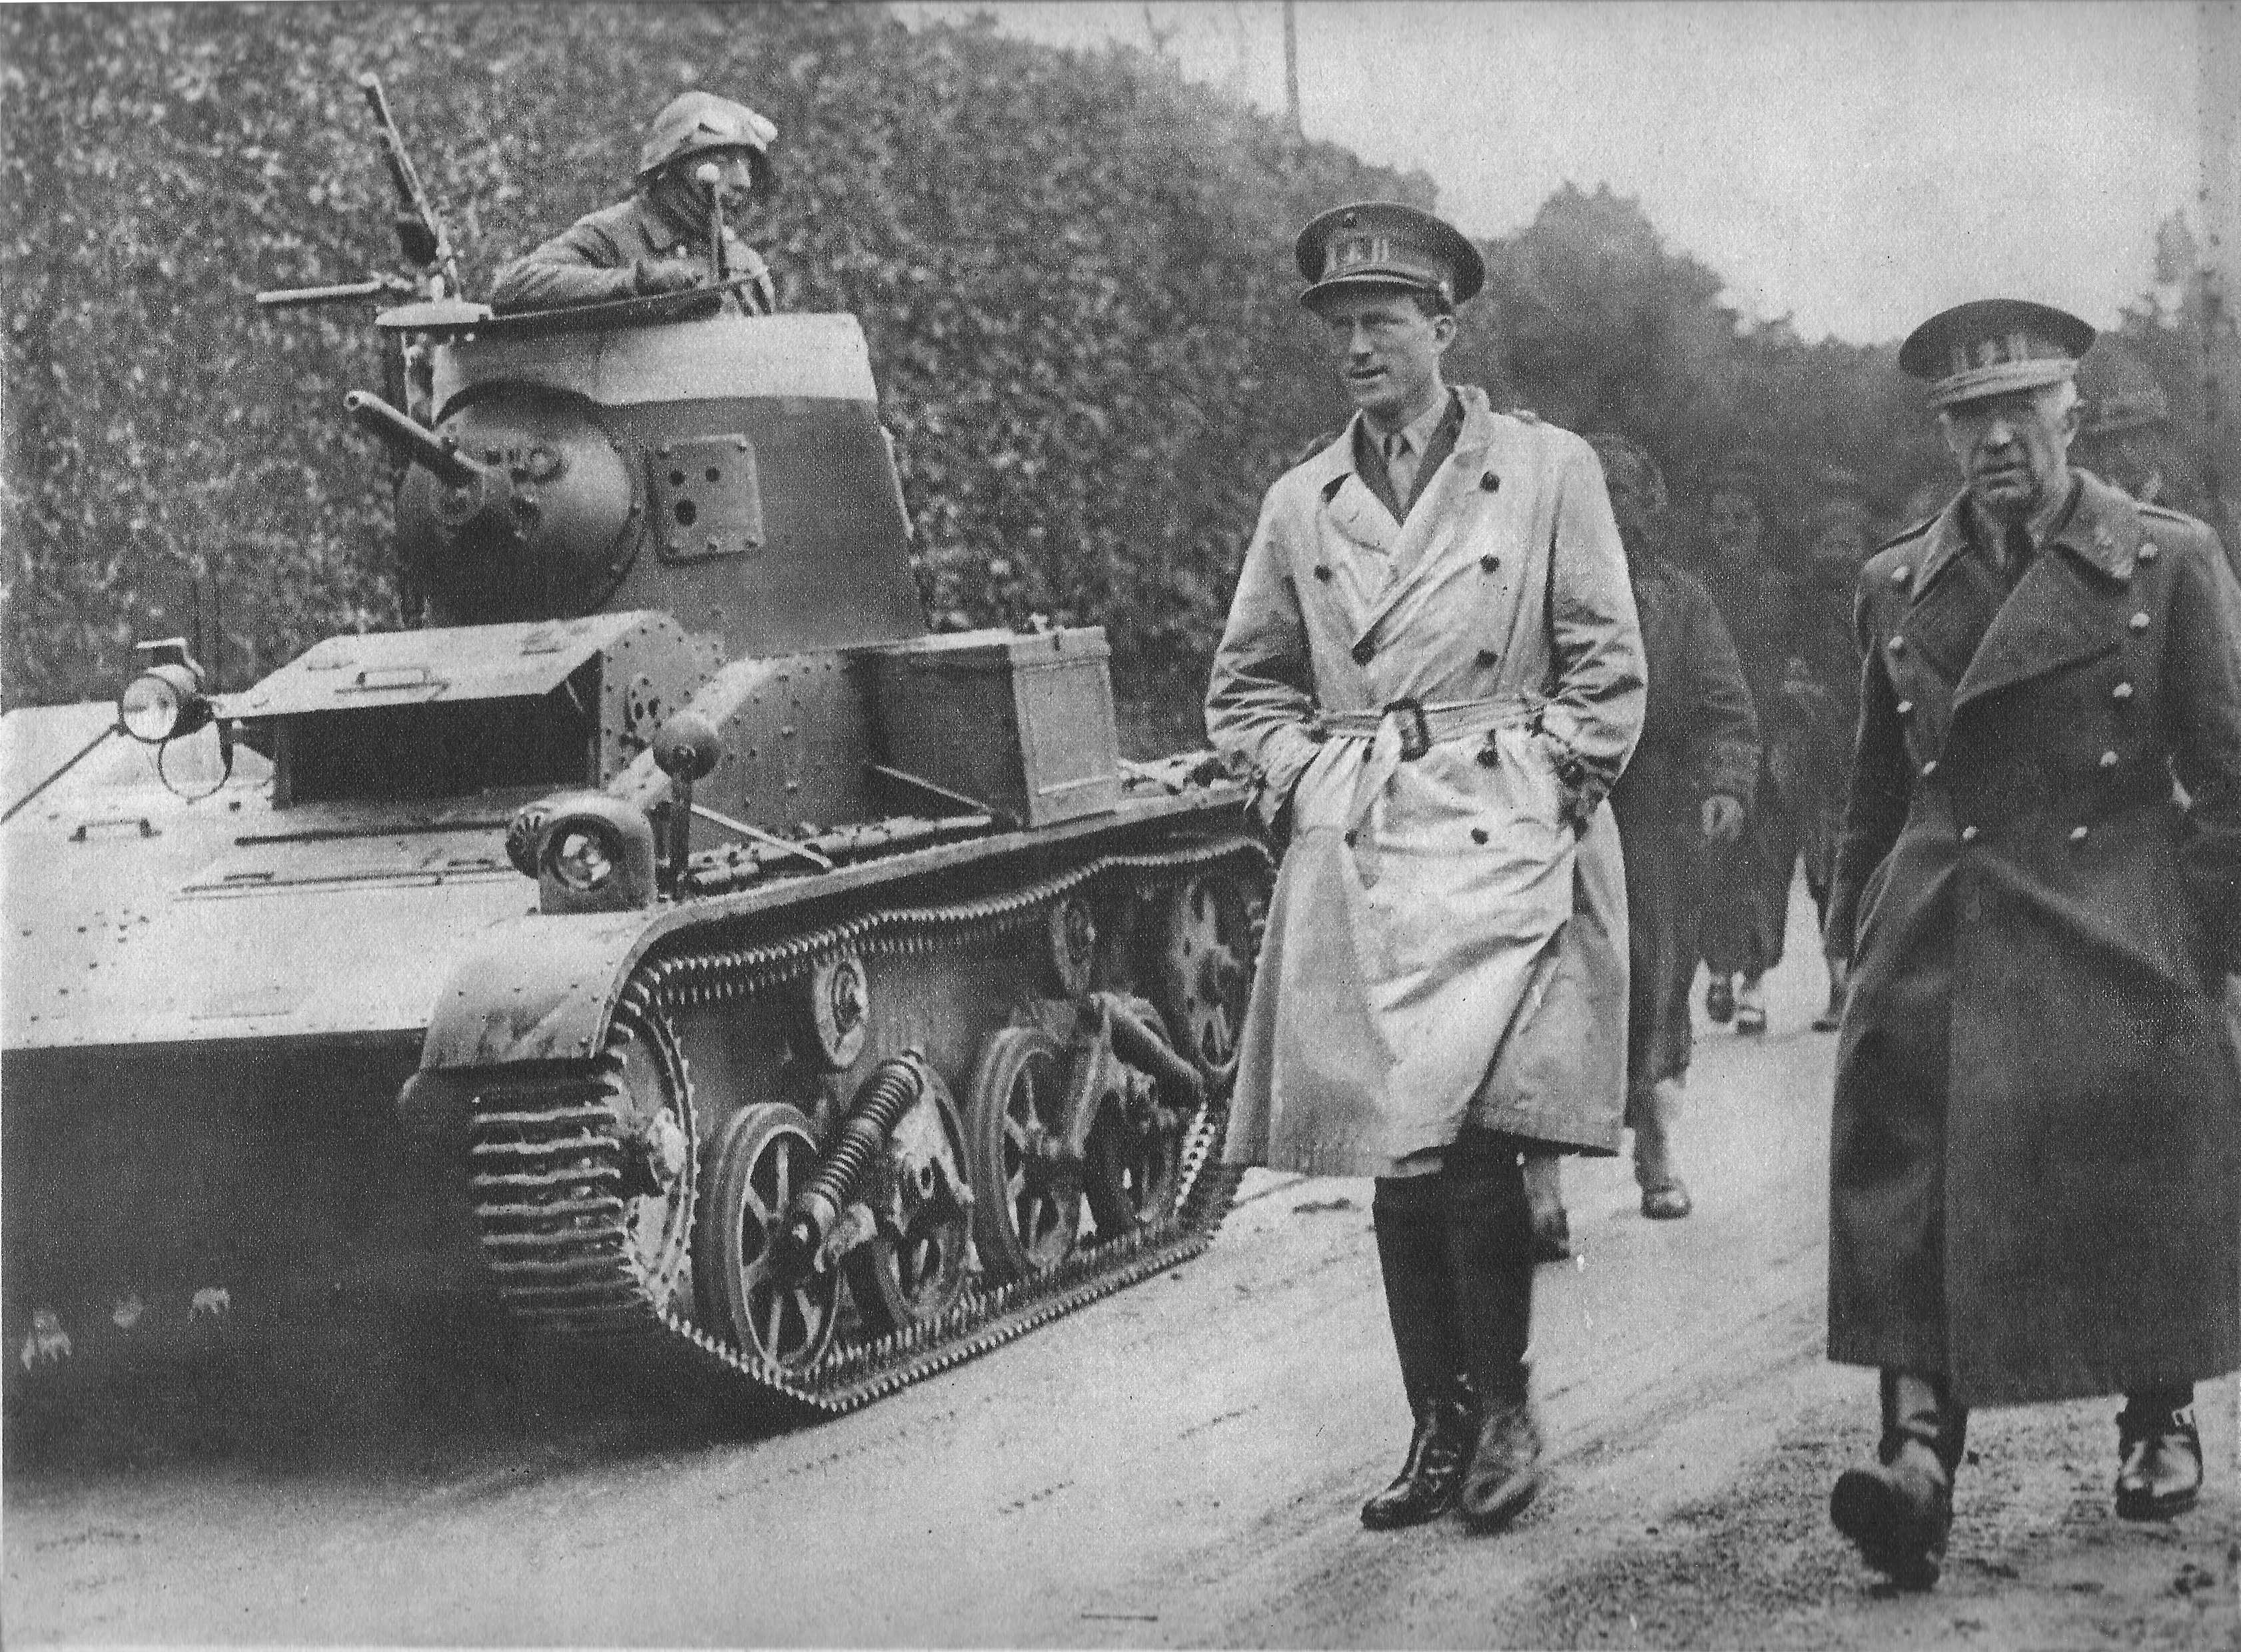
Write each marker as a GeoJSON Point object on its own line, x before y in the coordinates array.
{"type": "Point", "coordinates": [1412, 1252]}
{"type": "Point", "coordinates": [1489, 1222]}
{"type": "Point", "coordinates": [2159, 1454]}
{"type": "Point", "coordinates": [1899, 1512]}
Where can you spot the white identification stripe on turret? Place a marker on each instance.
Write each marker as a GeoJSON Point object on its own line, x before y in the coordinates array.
{"type": "Point", "coordinates": [721, 358]}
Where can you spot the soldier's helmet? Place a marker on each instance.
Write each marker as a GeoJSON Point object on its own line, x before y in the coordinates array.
{"type": "Point", "coordinates": [1626, 462]}
{"type": "Point", "coordinates": [2118, 390]}
{"type": "Point", "coordinates": [695, 121]}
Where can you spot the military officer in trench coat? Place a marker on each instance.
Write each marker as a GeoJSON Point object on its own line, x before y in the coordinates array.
{"type": "Point", "coordinates": [1434, 667]}
{"type": "Point", "coordinates": [2036, 1165]}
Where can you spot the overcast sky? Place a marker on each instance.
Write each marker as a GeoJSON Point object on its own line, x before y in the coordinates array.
{"type": "Point", "coordinates": [1854, 166]}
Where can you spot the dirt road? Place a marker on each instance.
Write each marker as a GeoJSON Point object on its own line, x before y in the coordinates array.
{"type": "Point", "coordinates": [1178, 1465]}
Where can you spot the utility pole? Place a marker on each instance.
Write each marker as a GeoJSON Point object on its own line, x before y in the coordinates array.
{"type": "Point", "coordinates": [1292, 70]}
{"type": "Point", "coordinates": [2217, 298]}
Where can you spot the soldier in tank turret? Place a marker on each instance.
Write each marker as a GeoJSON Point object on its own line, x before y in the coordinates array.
{"type": "Point", "coordinates": [659, 240]}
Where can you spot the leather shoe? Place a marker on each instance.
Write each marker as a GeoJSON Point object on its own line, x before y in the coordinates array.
{"type": "Point", "coordinates": [1431, 1479]}
{"type": "Point", "coordinates": [1552, 1235]}
{"type": "Point", "coordinates": [1898, 1515]}
{"type": "Point", "coordinates": [1668, 1201]}
{"type": "Point", "coordinates": [1505, 1471]}
{"type": "Point", "coordinates": [2159, 1474]}
{"type": "Point", "coordinates": [1720, 1001]}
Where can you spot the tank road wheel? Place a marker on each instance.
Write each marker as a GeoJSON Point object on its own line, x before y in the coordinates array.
{"type": "Point", "coordinates": [1027, 1201]}
{"type": "Point", "coordinates": [766, 1154]}
{"type": "Point", "coordinates": [918, 1194]}
{"type": "Point", "coordinates": [1203, 974]}
{"type": "Point", "coordinates": [1131, 1172]}
{"type": "Point", "coordinates": [1135, 1148]}
{"type": "Point", "coordinates": [650, 1088]}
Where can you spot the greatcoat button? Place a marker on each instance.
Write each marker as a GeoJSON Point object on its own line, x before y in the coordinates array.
{"type": "Point", "coordinates": [1478, 834]}
{"type": "Point", "coordinates": [1899, 575]}
{"type": "Point", "coordinates": [2108, 759]}
{"type": "Point", "coordinates": [1487, 656]}
{"type": "Point", "coordinates": [1968, 834]}
{"type": "Point", "coordinates": [1350, 838]}
{"type": "Point", "coordinates": [1929, 768]}
{"type": "Point", "coordinates": [2138, 622]}
{"type": "Point", "coordinates": [1906, 708]}
{"type": "Point", "coordinates": [2077, 834]}
{"type": "Point", "coordinates": [1490, 481]}
{"type": "Point", "coordinates": [1898, 644]}
{"type": "Point", "coordinates": [2148, 551]}
{"type": "Point", "coordinates": [2123, 691]}
{"type": "Point", "coordinates": [1364, 652]}
{"type": "Point", "coordinates": [1323, 572]}
{"type": "Point", "coordinates": [1488, 564]}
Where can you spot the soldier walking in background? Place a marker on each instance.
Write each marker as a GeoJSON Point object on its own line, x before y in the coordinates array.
{"type": "Point", "coordinates": [659, 240]}
{"type": "Point", "coordinates": [1687, 786]}
{"type": "Point", "coordinates": [2035, 1160]}
{"type": "Point", "coordinates": [1747, 882]}
{"type": "Point", "coordinates": [1433, 666]}
{"type": "Point", "coordinates": [1821, 685]}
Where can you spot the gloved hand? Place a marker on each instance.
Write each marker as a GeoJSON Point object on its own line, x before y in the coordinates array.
{"type": "Point", "coordinates": [654, 276]}
{"type": "Point", "coordinates": [1722, 819]}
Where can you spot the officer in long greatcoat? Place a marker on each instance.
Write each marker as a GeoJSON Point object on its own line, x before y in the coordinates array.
{"type": "Point", "coordinates": [2036, 1166]}
{"type": "Point", "coordinates": [659, 240]}
{"type": "Point", "coordinates": [1433, 665]}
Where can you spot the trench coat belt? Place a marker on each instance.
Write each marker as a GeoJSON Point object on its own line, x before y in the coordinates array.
{"type": "Point", "coordinates": [1406, 729]}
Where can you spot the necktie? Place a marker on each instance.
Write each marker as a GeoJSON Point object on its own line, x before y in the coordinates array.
{"type": "Point", "coordinates": [1400, 466]}
{"type": "Point", "coordinates": [2016, 552]}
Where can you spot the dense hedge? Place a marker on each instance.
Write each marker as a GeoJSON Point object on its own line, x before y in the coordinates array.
{"type": "Point", "coordinates": [1074, 271]}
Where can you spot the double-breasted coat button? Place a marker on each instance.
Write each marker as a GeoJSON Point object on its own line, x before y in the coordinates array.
{"type": "Point", "coordinates": [1906, 708]}
{"type": "Point", "coordinates": [1968, 834]}
{"type": "Point", "coordinates": [1364, 652]}
{"type": "Point", "coordinates": [2148, 551]}
{"type": "Point", "coordinates": [1899, 575]}
{"type": "Point", "coordinates": [1478, 834]}
{"type": "Point", "coordinates": [2108, 759]}
{"type": "Point", "coordinates": [1929, 768]}
{"type": "Point", "coordinates": [1490, 481]}
{"type": "Point", "coordinates": [1351, 837]}
{"type": "Point", "coordinates": [1898, 644]}
{"type": "Point", "coordinates": [2138, 622]}
{"type": "Point", "coordinates": [1323, 572]}
{"type": "Point", "coordinates": [1487, 656]}
{"type": "Point", "coordinates": [2077, 834]}
{"type": "Point", "coordinates": [1488, 564]}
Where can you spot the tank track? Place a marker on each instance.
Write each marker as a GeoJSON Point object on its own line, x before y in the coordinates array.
{"type": "Point", "coordinates": [546, 1167]}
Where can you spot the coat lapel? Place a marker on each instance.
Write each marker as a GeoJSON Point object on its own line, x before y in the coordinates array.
{"type": "Point", "coordinates": [2069, 604]}
{"type": "Point", "coordinates": [1419, 548]}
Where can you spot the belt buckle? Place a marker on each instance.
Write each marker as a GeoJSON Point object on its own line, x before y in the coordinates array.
{"type": "Point", "coordinates": [1415, 727]}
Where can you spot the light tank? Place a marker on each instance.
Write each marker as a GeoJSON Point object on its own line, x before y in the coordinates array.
{"type": "Point", "coordinates": [671, 945]}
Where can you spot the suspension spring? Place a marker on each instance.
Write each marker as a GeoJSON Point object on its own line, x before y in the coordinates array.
{"type": "Point", "coordinates": [881, 1102]}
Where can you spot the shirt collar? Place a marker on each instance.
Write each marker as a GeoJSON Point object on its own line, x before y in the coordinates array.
{"type": "Point", "coordinates": [1416, 436]}
{"type": "Point", "coordinates": [2045, 525]}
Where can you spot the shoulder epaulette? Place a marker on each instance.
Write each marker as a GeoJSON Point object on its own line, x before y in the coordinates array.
{"type": "Point", "coordinates": [1313, 448]}
{"type": "Point", "coordinates": [1915, 532]}
{"type": "Point", "coordinates": [2164, 513]}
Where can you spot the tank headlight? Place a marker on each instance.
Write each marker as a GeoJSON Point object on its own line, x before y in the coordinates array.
{"type": "Point", "coordinates": [162, 701]}
{"type": "Point", "coordinates": [583, 858]}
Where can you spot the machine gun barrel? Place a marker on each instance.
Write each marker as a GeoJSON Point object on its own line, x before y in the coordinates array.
{"type": "Point", "coordinates": [410, 440]}
{"type": "Point", "coordinates": [371, 287]}
{"type": "Point", "coordinates": [419, 231]}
